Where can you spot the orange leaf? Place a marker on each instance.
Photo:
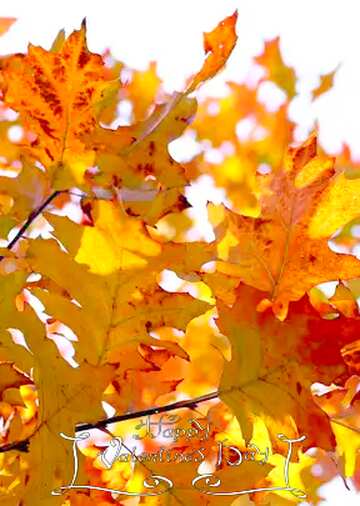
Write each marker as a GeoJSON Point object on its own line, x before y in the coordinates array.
{"type": "Point", "coordinates": [275, 363]}
{"type": "Point", "coordinates": [5, 24]}
{"type": "Point", "coordinates": [326, 83]}
{"type": "Point", "coordinates": [58, 94]}
{"type": "Point", "coordinates": [275, 68]}
{"type": "Point", "coordinates": [275, 252]}
{"type": "Point", "coordinates": [219, 43]}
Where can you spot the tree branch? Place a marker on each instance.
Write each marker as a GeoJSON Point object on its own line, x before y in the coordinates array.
{"type": "Point", "coordinates": [23, 446]}
{"type": "Point", "coordinates": [32, 216]}
{"type": "Point", "coordinates": [188, 403]}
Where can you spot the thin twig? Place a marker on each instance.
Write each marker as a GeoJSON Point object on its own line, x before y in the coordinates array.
{"type": "Point", "coordinates": [32, 216]}
{"type": "Point", "coordinates": [22, 446]}
{"type": "Point", "coordinates": [188, 403]}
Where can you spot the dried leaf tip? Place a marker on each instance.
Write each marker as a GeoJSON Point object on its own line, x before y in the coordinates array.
{"type": "Point", "coordinates": [218, 45]}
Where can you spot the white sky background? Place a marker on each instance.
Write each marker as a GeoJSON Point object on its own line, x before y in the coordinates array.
{"type": "Point", "coordinates": [316, 35]}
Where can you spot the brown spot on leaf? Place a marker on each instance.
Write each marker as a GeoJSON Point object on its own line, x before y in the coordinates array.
{"type": "Point", "coordinates": [84, 57]}
{"type": "Point", "coordinates": [130, 212]}
{"type": "Point", "coordinates": [47, 92]}
{"type": "Point", "coordinates": [47, 151]}
{"type": "Point", "coordinates": [45, 126]}
{"type": "Point", "coordinates": [116, 180]}
{"type": "Point", "coordinates": [146, 168]}
{"type": "Point", "coordinates": [259, 222]}
{"type": "Point", "coordinates": [151, 148]}
{"type": "Point", "coordinates": [87, 218]}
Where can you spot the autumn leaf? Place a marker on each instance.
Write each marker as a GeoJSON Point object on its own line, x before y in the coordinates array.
{"type": "Point", "coordinates": [67, 395]}
{"type": "Point", "coordinates": [142, 89]}
{"type": "Point", "coordinates": [61, 390]}
{"type": "Point", "coordinates": [103, 237]}
{"type": "Point", "coordinates": [326, 83]}
{"type": "Point", "coordinates": [262, 147]}
{"type": "Point", "coordinates": [58, 94]}
{"type": "Point", "coordinates": [26, 192]}
{"type": "Point", "coordinates": [129, 304]}
{"type": "Point", "coordinates": [219, 43]}
{"type": "Point", "coordinates": [274, 364]}
{"type": "Point", "coordinates": [276, 252]}
{"type": "Point", "coordinates": [11, 377]}
{"type": "Point", "coordinates": [239, 102]}
{"type": "Point", "coordinates": [343, 407]}
{"type": "Point", "coordinates": [338, 206]}
{"type": "Point", "coordinates": [114, 311]}
{"type": "Point", "coordinates": [275, 68]}
{"type": "Point", "coordinates": [129, 155]}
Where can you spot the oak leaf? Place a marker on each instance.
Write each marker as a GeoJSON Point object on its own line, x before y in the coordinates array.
{"type": "Point", "coordinates": [219, 43]}
{"type": "Point", "coordinates": [123, 270]}
{"type": "Point", "coordinates": [58, 94]}
{"type": "Point", "coordinates": [343, 408]}
{"type": "Point", "coordinates": [276, 252]}
{"type": "Point", "coordinates": [275, 363]}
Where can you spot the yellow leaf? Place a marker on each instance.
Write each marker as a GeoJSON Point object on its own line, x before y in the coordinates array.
{"type": "Point", "coordinates": [275, 68]}
{"type": "Point", "coordinates": [348, 445]}
{"type": "Point", "coordinates": [338, 205]}
{"type": "Point", "coordinates": [115, 242]}
{"type": "Point", "coordinates": [326, 83]}
{"type": "Point", "coordinates": [11, 377]}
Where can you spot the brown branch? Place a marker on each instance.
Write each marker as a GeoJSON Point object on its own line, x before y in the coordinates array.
{"type": "Point", "coordinates": [189, 403]}
{"type": "Point", "coordinates": [32, 216]}
{"type": "Point", "coordinates": [22, 446]}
